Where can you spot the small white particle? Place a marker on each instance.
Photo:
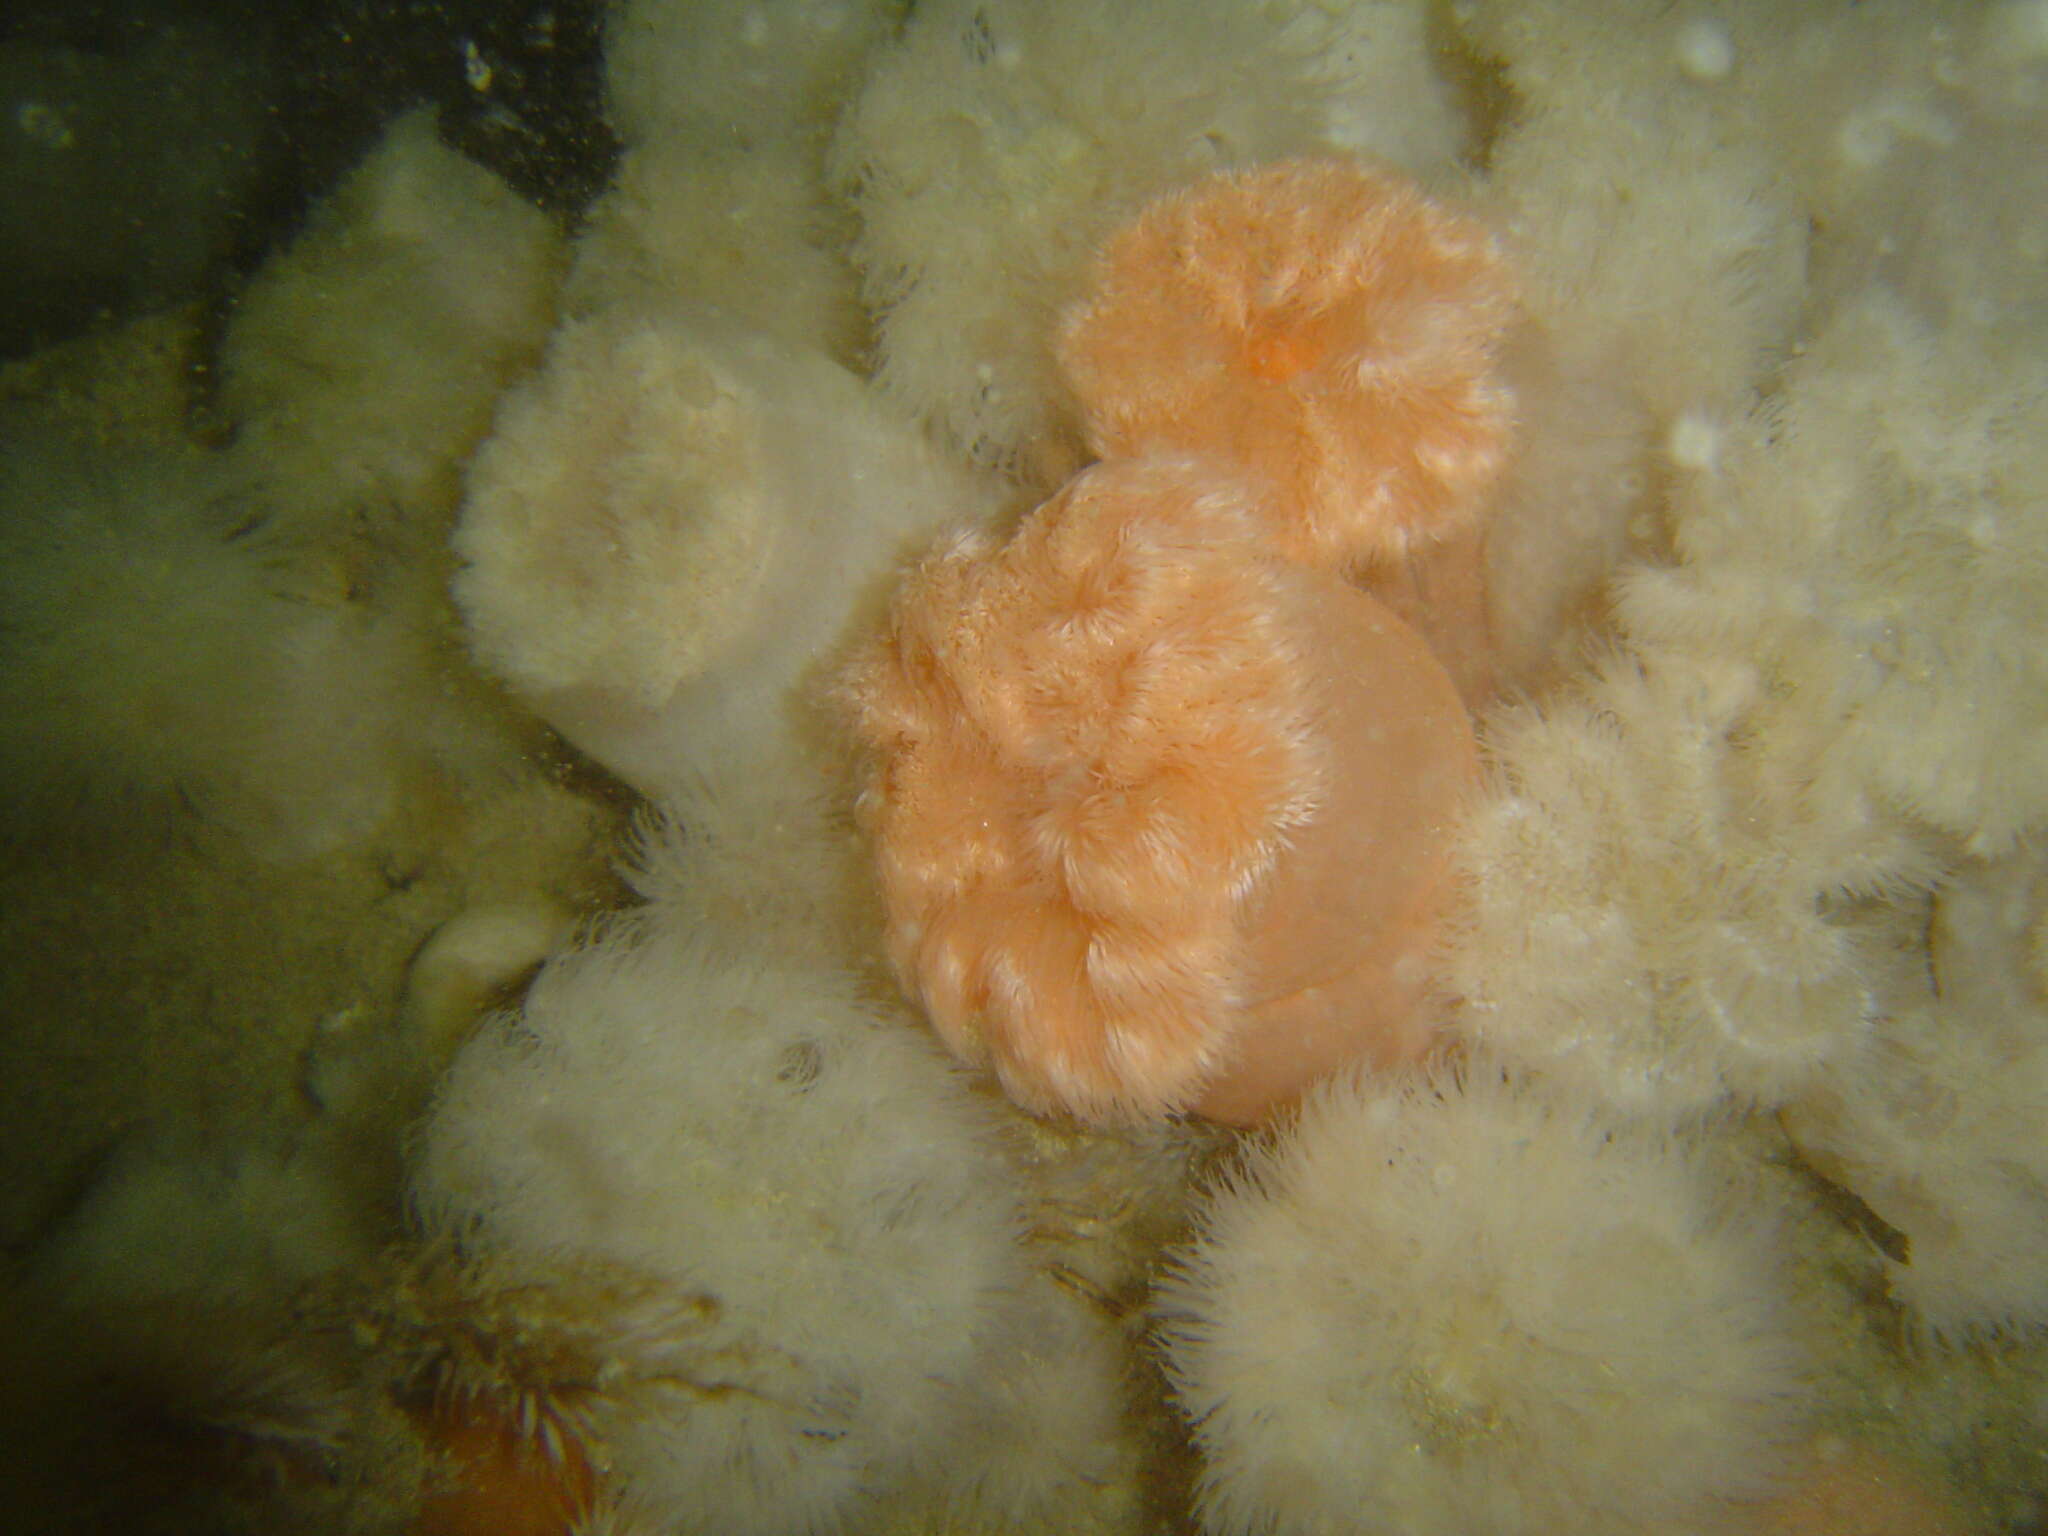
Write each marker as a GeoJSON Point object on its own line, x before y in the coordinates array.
{"type": "Point", "coordinates": [1704, 50]}
{"type": "Point", "coordinates": [1695, 442]}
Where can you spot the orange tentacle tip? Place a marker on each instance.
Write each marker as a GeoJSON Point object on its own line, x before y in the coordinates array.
{"type": "Point", "coordinates": [500, 1479]}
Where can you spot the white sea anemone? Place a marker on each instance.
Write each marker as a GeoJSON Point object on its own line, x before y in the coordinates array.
{"type": "Point", "coordinates": [724, 107]}
{"type": "Point", "coordinates": [814, 1228]}
{"type": "Point", "coordinates": [1936, 1128]}
{"type": "Point", "coordinates": [745, 229]}
{"type": "Point", "coordinates": [1935, 1125]}
{"type": "Point", "coordinates": [996, 142]}
{"type": "Point", "coordinates": [669, 531]}
{"type": "Point", "coordinates": [362, 363]}
{"type": "Point", "coordinates": [168, 645]}
{"type": "Point", "coordinates": [1441, 1306]}
{"type": "Point", "coordinates": [1652, 916]}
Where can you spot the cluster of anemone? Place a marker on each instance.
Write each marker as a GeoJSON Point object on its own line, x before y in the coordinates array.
{"type": "Point", "coordinates": [1161, 784]}
{"type": "Point", "coordinates": [1172, 797]}
{"type": "Point", "coordinates": [1565, 1045]}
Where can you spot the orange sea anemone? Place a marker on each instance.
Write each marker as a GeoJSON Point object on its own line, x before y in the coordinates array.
{"type": "Point", "coordinates": [1319, 324]}
{"type": "Point", "coordinates": [1160, 818]}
